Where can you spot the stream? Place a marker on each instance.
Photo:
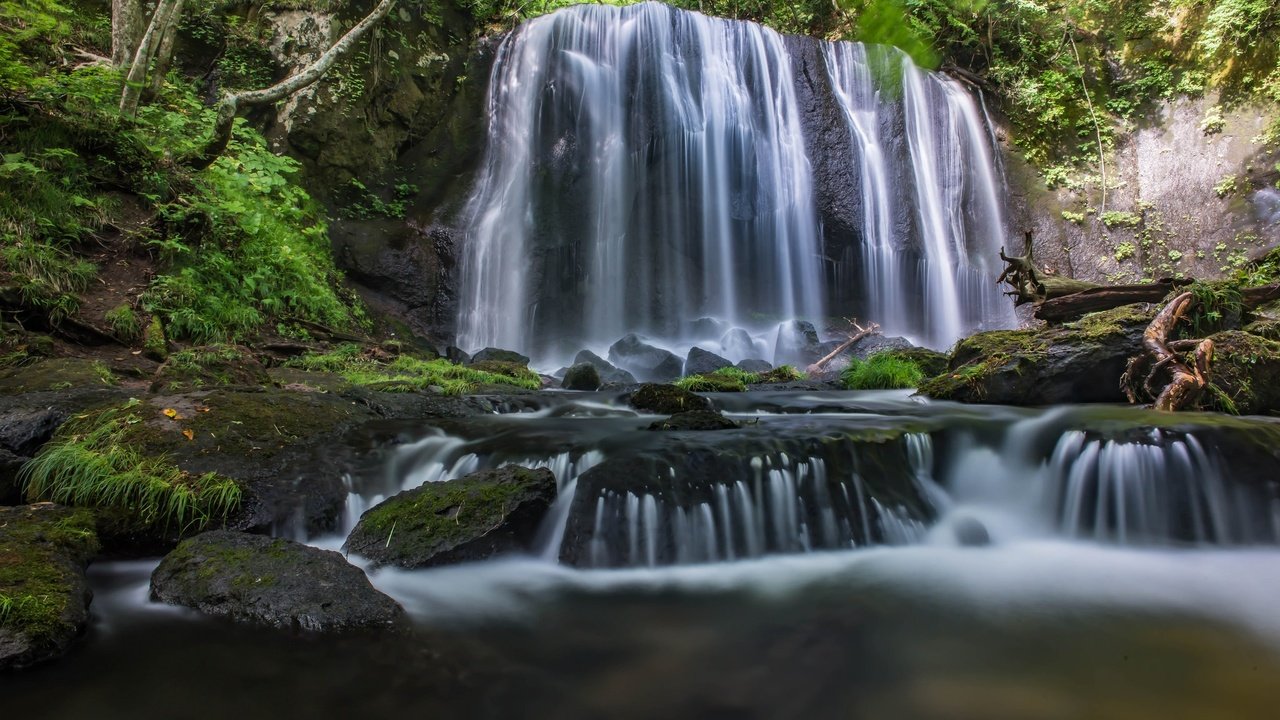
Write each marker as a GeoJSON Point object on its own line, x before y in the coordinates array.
{"type": "Point", "coordinates": [843, 554]}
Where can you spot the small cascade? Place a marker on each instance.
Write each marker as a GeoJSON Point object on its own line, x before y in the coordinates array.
{"type": "Point", "coordinates": [646, 166]}
{"type": "Point", "coordinates": [1164, 488]}
{"type": "Point", "coordinates": [747, 507]}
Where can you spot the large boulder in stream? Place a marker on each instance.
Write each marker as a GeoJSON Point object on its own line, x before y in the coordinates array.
{"type": "Point", "coordinates": [797, 344]}
{"type": "Point", "coordinates": [44, 597]}
{"type": "Point", "coordinates": [701, 362]}
{"type": "Point", "coordinates": [646, 362]}
{"type": "Point", "coordinates": [666, 399]}
{"type": "Point", "coordinates": [583, 376]}
{"type": "Point", "coordinates": [271, 581]}
{"type": "Point", "coordinates": [1076, 362]}
{"type": "Point", "coordinates": [499, 355]}
{"type": "Point", "coordinates": [472, 518]}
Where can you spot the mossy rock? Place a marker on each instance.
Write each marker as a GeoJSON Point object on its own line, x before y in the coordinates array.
{"type": "Point", "coordinates": [56, 375]}
{"type": "Point", "coordinates": [583, 376]}
{"type": "Point", "coordinates": [695, 420]}
{"type": "Point", "coordinates": [714, 382]}
{"type": "Point", "coordinates": [666, 399]}
{"type": "Point", "coordinates": [1078, 362]}
{"type": "Point", "coordinates": [44, 597]}
{"type": "Point", "coordinates": [271, 581]}
{"type": "Point", "coordinates": [517, 370]}
{"type": "Point", "coordinates": [1246, 371]}
{"type": "Point", "coordinates": [472, 518]}
{"type": "Point", "coordinates": [210, 366]}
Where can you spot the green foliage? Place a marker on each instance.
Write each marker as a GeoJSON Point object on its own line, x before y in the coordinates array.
{"type": "Point", "coordinates": [125, 323]}
{"type": "Point", "coordinates": [89, 463]}
{"type": "Point", "coordinates": [1226, 186]}
{"type": "Point", "coordinates": [882, 371]}
{"type": "Point", "coordinates": [1120, 219]}
{"type": "Point", "coordinates": [1124, 251]}
{"type": "Point", "coordinates": [713, 382]}
{"type": "Point", "coordinates": [405, 373]}
{"type": "Point", "coordinates": [1217, 304]}
{"type": "Point", "coordinates": [358, 202]}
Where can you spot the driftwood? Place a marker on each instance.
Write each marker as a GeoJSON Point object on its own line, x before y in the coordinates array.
{"type": "Point", "coordinates": [1071, 307]}
{"type": "Point", "coordinates": [1031, 284]}
{"type": "Point", "coordinates": [858, 333]}
{"type": "Point", "coordinates": [1187, 380]}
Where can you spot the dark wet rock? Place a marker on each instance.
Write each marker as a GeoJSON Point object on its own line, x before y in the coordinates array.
{"type": "Point", "coordinates": [1246, 368]}
{"type": "Point", "coordinates": [1078, 362]}
{"type": "Point", "coordinates": [646, 362]}
{"type": "Point", "coordinates": [24, 429]}
{"type": "Point", "coordinates": [43, 552]}
{"type": "Point", "coordinates": [706, 327]}
{"type": "Point", "coordinates": [738, 343]}
{"type": "Point", "coordinates": [506, 356]}
{"type": "Point", "coordinates": [695, 420]}
{"type": "Point", "coordinates": [271, 581]}
{"type": "Point", "coordinates": [970, 532]}
{"type": "Point", "coordinates": [583, 376]}
{"type": "Point", "coordinates": [472, 518]}
{"type": "Point", "coordinates": [872, 344]}
{"type": "Point", "coordinates": [609, 374]}
{"type": "Point", "coordinates": [65, 376]}
{"type": "Point", "coordinates": [797, 344]}
{"type": "Point", "coordinates": [666, 399]}
{"type": "Point", "coordinates": [10, 487]}
{"type": "Point", "coordinates": [457, 355]}
{"type": "Point", "coordinates": [754, 365]}
{"type": "Point", "coordinates": [701, 362]}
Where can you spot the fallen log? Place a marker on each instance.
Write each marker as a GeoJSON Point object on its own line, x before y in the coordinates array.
{"type": "Point", "coordinates": [1071, 307]}
{"type": "Point", "coordinates": [859, 333]}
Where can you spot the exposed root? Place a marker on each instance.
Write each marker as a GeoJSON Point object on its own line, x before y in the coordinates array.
{"type": "Point", "coordinates": [1162, 357]}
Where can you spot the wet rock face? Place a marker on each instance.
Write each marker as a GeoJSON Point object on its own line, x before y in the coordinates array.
{"type": "Point", "coordinates": [666, 399]}
{"type": "Point", "coordinates": [472, 518]}
{"type": "Point", "coordinates": [43, 552]}
{"type": "Point", "coordinates": [646, 362]}
{"type": "Point", "coordinates": [609, 375]}
{"type": "Point", "coordinates": [695, 420]}
{"type": "Point", "coordinates": [701, 362]}
{"type": "Point", "coordinates": [754, 365]}
{"type": "Point", "coordinates": [491, 354]}
{"type": "Point", "coordinates": [797, 344]}
{"type": "Point", "coordinates": [583, 376]}
{"type": "Point", "coordinates": [271, 581]}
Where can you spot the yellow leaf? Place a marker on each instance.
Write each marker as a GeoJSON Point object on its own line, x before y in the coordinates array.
{"type": "Point", "coordinates": [190, 435]}
{"type": "Point", "coordinates": [170, 413]}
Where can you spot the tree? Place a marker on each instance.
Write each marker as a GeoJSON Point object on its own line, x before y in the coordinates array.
{"type": "Point", "coordinates": [152, 52]}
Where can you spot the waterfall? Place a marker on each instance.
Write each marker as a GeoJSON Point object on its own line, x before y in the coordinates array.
{"type": "Point", "coordinates": [646, 166]}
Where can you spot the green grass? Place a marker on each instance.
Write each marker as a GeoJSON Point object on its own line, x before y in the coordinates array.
{"type": "Point", "coordinates": [882, 371]}
{"type": "Point", "coordinates": [734, 379]}
{"type": "Point", "coordinates": [89, 463]}
{"type": "Point", "coordinates": [124, 322]}
{"type": "Point", "coordinates": [406, 374]}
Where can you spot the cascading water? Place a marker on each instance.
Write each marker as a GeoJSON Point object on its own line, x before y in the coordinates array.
{"type": "Point", "coordinates": [646, 166]}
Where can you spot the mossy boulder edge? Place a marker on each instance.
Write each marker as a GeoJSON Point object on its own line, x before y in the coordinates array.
{"type": "Point", "coordinates": [472, 518]}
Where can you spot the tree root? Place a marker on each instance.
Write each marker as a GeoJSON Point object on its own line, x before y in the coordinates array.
{"type": "Point", "coordinates": [1163, 357]}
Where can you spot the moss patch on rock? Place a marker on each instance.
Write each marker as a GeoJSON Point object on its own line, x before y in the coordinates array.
{"type": "Point", "coordinates": [666, 399]}
{"type": "Point", "coordinates": [377, 369]}
{"type": "Point", "coordinates": [1245, 372]}
{"type": "Point", "coordinates": [472, 518]}
{"type": "Point", "coordinates": [56, 374]}
{"type": "Point", "coordinates": [44, 597]}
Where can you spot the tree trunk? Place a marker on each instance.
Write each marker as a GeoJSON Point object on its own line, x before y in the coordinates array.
{"type": "Point", "coordinates": [232, 103]}
{"type": "Point", "coordinates": [164, 59]}
{"type": "Point", "coordinates": [128, 22]}
{"type": "Point", "coordinates": [1072, 306]}
{"type": "Point", "coordinates": [1031, 284]}
{"type": "Point", "coordinates": [166, 14]}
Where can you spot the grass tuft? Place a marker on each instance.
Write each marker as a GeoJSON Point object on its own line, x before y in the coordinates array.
{"type": "Point", "coordinates": [407, 374]}
{"type": "Point", "coordinates": [882, 371]}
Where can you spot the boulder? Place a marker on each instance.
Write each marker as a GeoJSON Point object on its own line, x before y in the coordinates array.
{"type": "Point", "coordinates": [10, 488]}
{"type": "Point", "coordinates": [472, 518]}
{"type": "Point", "coordinates": [457, 355]}
{"type": "Point", "coordinates": [872, 344]}
{"type": "Point", "coordinates": [583, 376]}
{"type": "Point", "coordinates": [737, 343]}
{"type": "Point", "coordinates": [1078, 362]}
{"type": "Point", "coordinates": [43, 552]}
{"type": "Point", "coordinates": [646, 362]}
{"type": "Point", "coordinates": [609, 374]}
{"type": "Point", "coordinates": [701, 362]}
{"type": "Point", "coordinates": [271, 581]}
{"type": "Point", "coordinates": [24, 430]}
{"type": "Point", "coordinates": [754, 365]}
{"type": "Point", "coordinates": [695, 420]}
{"type": "Point", "coordinates": [506, 356]}
{"type": "Point", "coordinates": [666, 399]}
{"type": "Point", "coordinates": [797, 344]}
{"type": "Point", "coordinates": [706, 327]}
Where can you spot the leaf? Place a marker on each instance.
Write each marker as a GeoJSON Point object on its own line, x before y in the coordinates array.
{"type": "Point", "coordinates": [189, 434]}
{"type": "Point", "coordinates": [171, 414]}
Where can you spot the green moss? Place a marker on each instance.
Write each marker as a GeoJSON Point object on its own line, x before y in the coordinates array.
{"type": "Point", "coordinates": [882, 371]}
{"type": "Point", "coordinates": [54, 374]}
{"type": "Point", "coordinates": [90, 462]}
{"type": "Point", "coordinates": [154, 342]}
{"type": "Point", "coordinates": [979, 356]}
{"type": "Point", "coordinates": [712, 382]}
{"type": "Point", "coordinates": [42, 553]}
{"type": "Point", "coordinates": [374, 369]}
{"type": "Point", "coordinates": [1106, 323]}
{"type": "Point", "coordinates": [1245, 374]}
{"type": "Point", "coordinates": [780, 374]}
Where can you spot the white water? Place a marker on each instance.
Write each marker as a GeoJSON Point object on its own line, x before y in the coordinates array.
{"type": "Point", "coordinates": [647, 166]}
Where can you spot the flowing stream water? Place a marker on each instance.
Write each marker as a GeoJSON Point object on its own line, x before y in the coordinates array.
{"type": "Point", "coordinates": [842, 554]}
{"type": "Point", "coordinates": [646, 166]}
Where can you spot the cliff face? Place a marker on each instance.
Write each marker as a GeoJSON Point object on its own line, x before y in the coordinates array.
{"type": "Point", "coordinates": [1190, 191]}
